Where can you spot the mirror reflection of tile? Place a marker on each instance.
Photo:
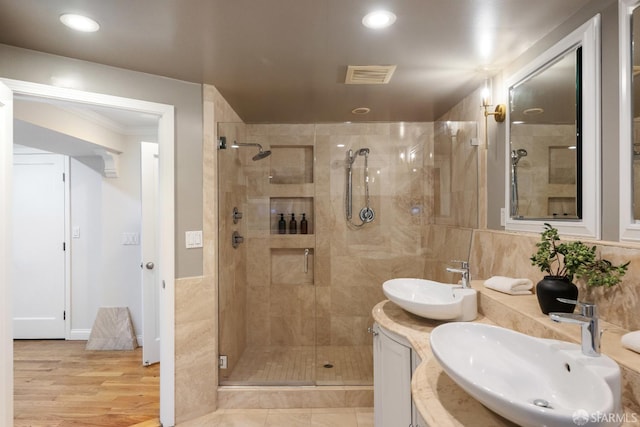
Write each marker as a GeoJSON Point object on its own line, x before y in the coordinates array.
{"type": "Point", "coordinates": [562, 165]}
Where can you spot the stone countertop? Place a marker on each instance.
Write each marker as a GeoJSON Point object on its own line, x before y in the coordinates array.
{"type": "Point", "coordinates": [443, 403]}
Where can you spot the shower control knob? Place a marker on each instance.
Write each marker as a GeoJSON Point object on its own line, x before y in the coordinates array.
{"type": "Point", "coordinates": [236, 239]}
{"type": "Point", "coordinates": [367, 215]}
{"type": "Point", "coordinates": [237, 215]}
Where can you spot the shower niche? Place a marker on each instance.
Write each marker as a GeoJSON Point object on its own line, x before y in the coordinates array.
{"type": "Point", "coordinates": [291, 164]}
{"type": "Point", "coordinates": [288, 206]}
{"type": "Point", "coordinates": [291, 191]}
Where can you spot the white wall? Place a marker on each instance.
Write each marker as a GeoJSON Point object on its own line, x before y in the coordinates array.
{"type": "Point", "coordinates": [104, 272]}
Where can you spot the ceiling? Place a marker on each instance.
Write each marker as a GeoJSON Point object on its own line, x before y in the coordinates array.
{"type": "Point", "coordinates": [284, 61]}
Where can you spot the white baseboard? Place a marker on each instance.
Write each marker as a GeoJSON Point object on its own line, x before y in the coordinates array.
{"type": "Point", "coordinates": [80, 334]}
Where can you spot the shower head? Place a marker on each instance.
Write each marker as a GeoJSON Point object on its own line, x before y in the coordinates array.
{"type": "Point", "coordinates": [363, 151]}
{"type": "Point", "coordinates": [261, 153]}
{"type": "Point", "coordinates": [516, 155]}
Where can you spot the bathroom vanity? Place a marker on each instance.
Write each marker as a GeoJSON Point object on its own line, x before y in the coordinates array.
{"type": "Point", "coordinates": [411, 389]}
{"type": "Point", "coordinates": [394, 362]}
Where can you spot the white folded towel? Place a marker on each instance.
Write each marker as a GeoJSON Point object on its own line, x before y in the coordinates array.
{"type": "Point", "coordinates": [631, 341]}
{"type": "Point", "coordinates": [509, 285]}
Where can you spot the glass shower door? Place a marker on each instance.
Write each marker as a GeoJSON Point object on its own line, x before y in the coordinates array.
{"type": "Point", "coordinates": [267, 301]}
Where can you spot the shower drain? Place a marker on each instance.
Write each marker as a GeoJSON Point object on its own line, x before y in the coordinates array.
{"type": "Point", "coordinates": [328, 365]}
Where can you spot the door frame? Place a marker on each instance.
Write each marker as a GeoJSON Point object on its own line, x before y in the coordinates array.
{"type": "Point", "coordinates": [166, 243]}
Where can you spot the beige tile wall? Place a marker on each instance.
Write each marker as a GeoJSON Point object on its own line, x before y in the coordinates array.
{"type": "Point", "coordinates": [195, 331]}
{"type": "Point", "coordinates": [507, 254]}
{"type": "Point", "coordinates": [358, 260]}
{"type": "Point", "coordinates": [455, 174]}
{"type": "Point", "coordinates": [534, 186]}
{"type": "Point", "coordinates": [280, 295]}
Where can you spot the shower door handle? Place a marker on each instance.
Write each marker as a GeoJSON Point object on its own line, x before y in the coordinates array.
{"type": "Point", "coordinates": [306, 261]}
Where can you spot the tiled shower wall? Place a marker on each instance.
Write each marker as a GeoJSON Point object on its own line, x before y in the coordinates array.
{"type": "Point", "coordinates": [413, 235]}
{"type": "Point", "coordinates": [544, 143]}
{"type": "Point", "coordinates": [354, 262]}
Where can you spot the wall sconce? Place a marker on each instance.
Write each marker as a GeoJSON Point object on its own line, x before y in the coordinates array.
{"type": "Point", "coordinates": [500, 113]}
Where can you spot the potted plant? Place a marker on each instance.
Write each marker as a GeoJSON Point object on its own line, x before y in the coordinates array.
{"type": "Point", "coordinates": [562, 261]}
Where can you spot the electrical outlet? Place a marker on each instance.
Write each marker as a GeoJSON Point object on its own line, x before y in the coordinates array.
{"type": "Point", "coordinates": [502, 217]}
{"type": "Point", "coordinates": [222, 362]}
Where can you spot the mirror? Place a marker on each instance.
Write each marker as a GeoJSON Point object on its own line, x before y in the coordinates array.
{"type": "Point", "coordinates": [545, 142]}
{"type": "Point", "coordinates": [553, 138]}
{"type": "Point", "coordinates": [635, 108]}
{"type": "Point", "coordinates": [629, 19]}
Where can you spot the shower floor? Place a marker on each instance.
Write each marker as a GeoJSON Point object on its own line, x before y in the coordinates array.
{"type": "Point", "coordinates": [299, 365]}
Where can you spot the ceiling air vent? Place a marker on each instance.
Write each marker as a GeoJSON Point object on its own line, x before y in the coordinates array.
{"type": "Point", "coordinates": [369, 74]}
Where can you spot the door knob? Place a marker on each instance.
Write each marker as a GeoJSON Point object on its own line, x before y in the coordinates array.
{"type": "Point", "coordinates": [150, 265]}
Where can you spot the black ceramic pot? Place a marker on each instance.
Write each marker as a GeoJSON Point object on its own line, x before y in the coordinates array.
{"type": "Point", "coordinates": [552, 287]}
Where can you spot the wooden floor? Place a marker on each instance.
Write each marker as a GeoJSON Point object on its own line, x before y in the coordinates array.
{"type": "Point", "coordinates": [60, 384]}
{"type": "Point", "coordinates": [303, 365]}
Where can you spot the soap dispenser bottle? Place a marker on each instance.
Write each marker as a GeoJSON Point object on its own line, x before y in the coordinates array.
{"type": "Point", "coordinates": [282, 225]}
{"type": "Point", "coordinates": [293, 225]}
{"type": "Point", "coordinates": [304, 227]}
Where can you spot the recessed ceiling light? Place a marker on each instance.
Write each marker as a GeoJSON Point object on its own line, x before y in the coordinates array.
{"type": "Point", "coordinates": [379, 19]}
{"type": "Point", "coordinates": [79, 23]}
{"type": "Point", "coordinates": [361, 110]}
{"type": "Point", "coordinates": [533, 111]}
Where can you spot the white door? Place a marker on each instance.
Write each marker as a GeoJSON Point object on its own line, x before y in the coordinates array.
{"type": "Point", "coordinates": [6, 336]}
{"type": "Point", "coordinates": [38, 246]}
{"type": "Point", "coordinates": [150, 275]}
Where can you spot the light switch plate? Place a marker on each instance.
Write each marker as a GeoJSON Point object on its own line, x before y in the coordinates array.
{"type": "Point", "coordinates": [75, 232]}
{"type": "Point", "coordinates": [130, 238]}
{"type": "Point", "coordinates": [193, 239]}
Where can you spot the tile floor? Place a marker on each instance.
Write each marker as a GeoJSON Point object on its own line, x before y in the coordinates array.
{"type": "Point", "coordinates": [302, 365]}
{"type": "Point", "coordinates": [316, 417]}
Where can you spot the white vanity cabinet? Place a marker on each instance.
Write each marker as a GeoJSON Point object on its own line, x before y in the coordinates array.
{"type": "Point", "coordinates": [393, 364]}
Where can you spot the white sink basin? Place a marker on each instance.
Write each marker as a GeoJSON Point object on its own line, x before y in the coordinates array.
{"type": "Point", "coordinates": [432, 300]}
{"type": "Point", "coordinates": [530, 381]}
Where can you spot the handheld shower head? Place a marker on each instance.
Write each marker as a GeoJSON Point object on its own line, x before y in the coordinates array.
{"type": "Point", "coordinates": [363, 152]}
{"type": "Point", "coordinates": [516, 155]}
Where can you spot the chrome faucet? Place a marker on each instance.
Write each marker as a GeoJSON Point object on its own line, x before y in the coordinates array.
{"type": "Point", "coordinates": [464, 270]}
{"type": "Point", "coordinates": [588, 320]}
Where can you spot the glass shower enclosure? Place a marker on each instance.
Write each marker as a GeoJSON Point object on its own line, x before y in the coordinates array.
{"type": "Point", "coordinates": [294, 309]}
